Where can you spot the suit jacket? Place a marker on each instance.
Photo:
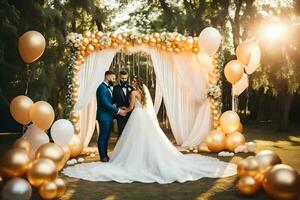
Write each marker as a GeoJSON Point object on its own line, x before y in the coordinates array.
{"type": "Point", "coordinates": [105, 108]}
{"type": "Point", "coordinates": [119, 98]}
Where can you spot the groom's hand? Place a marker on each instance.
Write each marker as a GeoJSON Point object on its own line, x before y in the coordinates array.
{"type": "Point", "coordinates": [122, 112]}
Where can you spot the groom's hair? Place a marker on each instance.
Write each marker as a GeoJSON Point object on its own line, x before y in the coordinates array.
{"type": "Point", "coordinates": [107, 73]}
{"type": "Point", "coordinates": [123, 72]}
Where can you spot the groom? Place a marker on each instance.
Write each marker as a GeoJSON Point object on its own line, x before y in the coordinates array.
{"type": "Point", "coordinates": [121, 94]}
{"type": "Point", "coordinates": [106, 112]}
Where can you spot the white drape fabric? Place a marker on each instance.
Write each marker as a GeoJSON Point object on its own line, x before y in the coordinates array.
{"type": "Point", "coordinates": [90, 77]}
{"type": "Point", "coordinates": [158, 97]}
{"type": "Point", "coordinates": [181, 83]}
{"type": "Point", "coordinates": [185, 100]}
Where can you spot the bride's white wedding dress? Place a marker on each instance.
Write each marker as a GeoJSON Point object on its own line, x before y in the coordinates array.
{"type": "Point", "coordinates": [144, 154]}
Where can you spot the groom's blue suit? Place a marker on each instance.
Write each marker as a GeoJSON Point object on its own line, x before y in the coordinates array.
{"type": "Point", "coordinates": [106, 112]}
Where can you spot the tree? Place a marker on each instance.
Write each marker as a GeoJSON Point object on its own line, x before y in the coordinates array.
{"type": "Point", "coordinates": [54, 19]}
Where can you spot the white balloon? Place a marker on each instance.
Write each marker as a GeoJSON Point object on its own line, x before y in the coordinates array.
{"type": "Point", "coordinates": [62, 132]}
{"type": "Point", "coordinates": [241, 85]}
{"type": "Point", "coordinates": [36, 137]}
{"type": "Point", "coordinates": [251, 146]}
{"type": "Point", "coordinates": [254, 61]}
{"type": "Point", "coordinates": [210, 40]}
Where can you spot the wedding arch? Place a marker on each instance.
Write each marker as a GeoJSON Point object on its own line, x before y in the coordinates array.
{"type": "Point", "coordinates": [186, 78]}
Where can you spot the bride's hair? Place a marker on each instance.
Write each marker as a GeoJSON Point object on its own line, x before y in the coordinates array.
{"type": "Point", "coordinates": [140, 88]}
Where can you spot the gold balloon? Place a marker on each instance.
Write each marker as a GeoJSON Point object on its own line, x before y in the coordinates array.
{"type": "Point", "coordinates": [41, 171]}
{"type": "Point", "coordinates": [282, 182]}
{"type": "Point", "coordinates": [244, 51]}
{"type": "Point", "coordinates": [94, 41]}
{"type": "Point", "coordinates": [42, 114]}
{"type": "Point", "coordinates": [1, 180]}
{"type": "Point", "coordinates": [114, 45]}
{"type": "Point", "coordinates": [229, 121]}
{"type": "Point", "coordinates": [87, 53]}
{"type": "Point", "coordinates": [156, 35]}
{"type": "Point", "coordinates": [99, 34]}
{"type": "Point", "coordinates": [152, 42]}
{"type": "Point", "coordinates": [74, 116]}
{"type": "Point", "coordinates": [215, 140]}
{"type": "Point", "coordinates": [248, 185]}
{"type": "Point", "coordinates": [83, 53]}
{"type": "Point", "coordinates": [76, 68]}
{"type": "Point", "coordinates": [61, 186]}
{"type": "Point", "coordinates": [266, 159]}
{"type": "Point", "coordinates": [170, 49]}
{"type": "Point", "coordinates": [75, 145]}
{"type": "Point", "coordinates": [20, 109]}
{"type": "Point", "coordinates": [125, 35]}
{"type": "Point", "coordinates": [87, 34]}
{"type": "Point", "coordinates": [234, 140]}
{"type": "Point", "coordinates": [169, 44]}
{"type": "Point", "coordinates": [14, 162]}
{"type": "Point", "coordinates": [53, 152]}
{"type": "Point", "coordinates": [23, 144]}
{"type": "Point", "coordinates": [176, 50]}
{"type": "Point", "coordinates": [233, 71]}
{"type": "Point", "coordinates": [76, 83]}
{"type": "Point", "coordinates": [67, 153]}
{"type": "Point", "coordinates": [113, 36]}
{"type": "Point", "coordinates": [85, 42]}
{"type": "Point", "coordinates": [195, 50]}
{"type": "Point", "coordinates": [203, 148]}
{"type": "Point", "coordinates": [146, 39]}
{"type": "Point", "coordinates": [248, 167]}
{"type": "Point", "coordinates": [189, 43]}
{"type": "Point", "coordinates": [48, 190]}
{"type": "Point", "coordinates": [90, 48]}
{"type": "Point", "coordinates": [31, 46]}
{"type": "Point", "coordinates": [77, 128]}
{"type": "Point", "coordinates": [240, 128]}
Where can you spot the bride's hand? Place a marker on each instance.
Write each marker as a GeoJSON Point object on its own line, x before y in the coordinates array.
{"type": "Point", "coordinates": [125, 109]}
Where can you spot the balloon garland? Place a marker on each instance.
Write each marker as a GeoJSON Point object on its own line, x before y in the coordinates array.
{"type": "Point", "coordinates": [80, 46]}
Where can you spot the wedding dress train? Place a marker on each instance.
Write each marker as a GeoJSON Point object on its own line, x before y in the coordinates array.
{"type": "Point", "coordinates": [144, 154]}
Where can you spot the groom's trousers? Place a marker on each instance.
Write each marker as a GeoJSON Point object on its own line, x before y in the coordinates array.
{"type": "Point", "coordinates": [105, 129]}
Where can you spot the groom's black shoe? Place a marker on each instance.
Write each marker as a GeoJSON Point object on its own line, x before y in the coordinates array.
{"type": "Point", "coordinates": [105, 159]}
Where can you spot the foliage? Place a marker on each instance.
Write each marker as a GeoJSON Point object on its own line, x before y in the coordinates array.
{"type": "Point", "coordinates": [54, 19]}
{"type": "Point", "coordinates": [236, 20]}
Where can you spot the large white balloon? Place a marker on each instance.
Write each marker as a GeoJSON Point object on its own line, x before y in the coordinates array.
{"type": "Point", "coordinates": [62, 132]}
{"type": "Point", "coordinates": [210, 40]}
{"type": "Point", "coordinates": [36, 137]}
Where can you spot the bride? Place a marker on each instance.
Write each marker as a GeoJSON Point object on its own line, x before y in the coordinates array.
{"type": "Point", "coordinates": [144, 154]}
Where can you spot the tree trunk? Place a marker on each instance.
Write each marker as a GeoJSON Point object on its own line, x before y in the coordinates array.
{"type": "Point", "coordinates": [260, 115]}
{"type": "Point", "coordinates": [285, 112]}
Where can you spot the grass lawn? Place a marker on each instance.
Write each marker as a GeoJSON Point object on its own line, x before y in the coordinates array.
{"type": "Point", "coordinates": [287, 146]}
